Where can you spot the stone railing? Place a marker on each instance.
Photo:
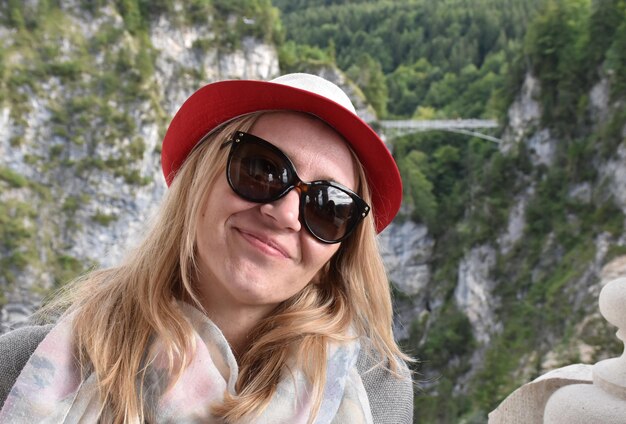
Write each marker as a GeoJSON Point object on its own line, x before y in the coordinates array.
{"type": "Point", "coordinates": [576, 394]}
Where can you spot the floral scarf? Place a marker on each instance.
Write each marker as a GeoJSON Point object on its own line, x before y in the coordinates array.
{"type": "Point", "coordinates": [50, 390]}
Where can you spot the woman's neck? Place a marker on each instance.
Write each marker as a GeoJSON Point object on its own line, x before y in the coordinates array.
{"type": "Point", "coordinates": [236, 323]}
{"type": "Point", "coordinates": [237, 327]}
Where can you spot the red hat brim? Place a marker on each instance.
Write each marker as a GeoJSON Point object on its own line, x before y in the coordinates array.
{"type": "Point", "coordinates": [219, 102]}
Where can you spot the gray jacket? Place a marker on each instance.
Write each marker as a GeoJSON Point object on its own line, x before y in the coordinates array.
{"type": "Point", "coordinates": [391, 398]}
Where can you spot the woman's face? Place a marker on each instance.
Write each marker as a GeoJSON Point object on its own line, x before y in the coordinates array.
{"type": "Point", "coordinates": [255, 255]}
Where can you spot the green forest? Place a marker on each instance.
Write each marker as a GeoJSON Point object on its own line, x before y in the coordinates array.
{"type": "Point", "coordinates": [418, 58]}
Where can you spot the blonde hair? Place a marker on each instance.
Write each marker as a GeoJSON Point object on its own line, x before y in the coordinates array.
{"type": "Point", "coordinates": [119, 312]}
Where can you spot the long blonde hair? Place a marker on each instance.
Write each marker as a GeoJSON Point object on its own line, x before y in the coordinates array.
{"type": "Point", "coordinates": [119, 312]}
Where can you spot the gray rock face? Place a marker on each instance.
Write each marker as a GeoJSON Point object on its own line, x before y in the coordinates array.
{"type": "Point", "coordinates": [523, 114]}
{"type": "Point", "coordinates": [473, 293]}
{"type": "Point", "coordinates": [516, 223]}
{"type": "Point", "coordinates": [599, 100]}
{"type": "Point", "coordinates": [406, 249]}
{"type": "Point", "coordinates": [615, 174]}
{"type": "Point", "coordinates": [542, 148]}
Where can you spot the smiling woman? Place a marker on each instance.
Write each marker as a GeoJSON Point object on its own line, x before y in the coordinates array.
{"type": "Point", "coordinates": [253, 256]}
{"type": "Point", "coordinates": [259, 295]}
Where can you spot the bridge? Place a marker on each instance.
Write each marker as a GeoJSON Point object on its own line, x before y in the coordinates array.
{"type": "Point", "coordinates": [460, 126]}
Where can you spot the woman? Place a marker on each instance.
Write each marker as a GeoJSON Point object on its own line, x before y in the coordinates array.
{"type": "Point", "coordinates": [258, 295]}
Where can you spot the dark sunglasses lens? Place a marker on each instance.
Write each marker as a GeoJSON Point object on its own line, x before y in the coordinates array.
{"type": "Point", "coordinates": [258, 173]}
{"type": "Point", "coordinates": [329, 212]}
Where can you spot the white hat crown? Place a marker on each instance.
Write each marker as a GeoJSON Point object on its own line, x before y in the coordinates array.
{"type": "Point", "coordinates": [317, 85]}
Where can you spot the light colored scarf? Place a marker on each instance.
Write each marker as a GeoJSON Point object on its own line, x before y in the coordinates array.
{"type": "Point", "coordinates": [49, 388]}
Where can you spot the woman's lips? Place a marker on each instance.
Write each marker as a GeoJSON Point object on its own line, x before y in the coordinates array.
{"type": "Point", "coordinates": [265, 244]}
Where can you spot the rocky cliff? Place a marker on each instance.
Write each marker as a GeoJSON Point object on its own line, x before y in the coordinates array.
{"type": "Point", "coordinates": [85, 105]}
{"type": "Point", "coordinates": [493, 312]}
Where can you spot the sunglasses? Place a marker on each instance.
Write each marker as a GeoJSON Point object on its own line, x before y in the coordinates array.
{"type": "Point", "coordinates": [260, 172]}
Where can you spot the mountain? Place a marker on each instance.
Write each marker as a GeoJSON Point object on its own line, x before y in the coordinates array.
{"type": "Point", "coordinates": [500, 249]}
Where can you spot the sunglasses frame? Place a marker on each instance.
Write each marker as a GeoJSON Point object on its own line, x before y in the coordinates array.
{"type": "Point", "coordinates": [362, 208]}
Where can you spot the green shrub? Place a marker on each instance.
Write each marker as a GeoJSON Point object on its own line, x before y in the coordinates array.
{"type": "Point", "coordinates": [134, 177]}
{"type": "Point", "coordinates": [450, 336]}
{"type": "Point", "coordinates": [67, 71]}
{"type": "Point", "coordinates": [103, 218]}
{"type": "Point", "coordinates": [11, 177]}
{"type": "Point", "coordinates": [66, 268]}
{"type": "Point", "coordinates": [136, 148]}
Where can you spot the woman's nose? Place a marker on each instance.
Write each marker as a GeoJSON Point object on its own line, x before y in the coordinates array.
{"type": "Point", "coordinates": [285, 212]}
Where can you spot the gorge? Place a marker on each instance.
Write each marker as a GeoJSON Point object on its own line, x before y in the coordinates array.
{"type": "Point", "coordinates": [503, 294]}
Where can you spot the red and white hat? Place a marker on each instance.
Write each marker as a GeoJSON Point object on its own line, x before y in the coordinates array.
{"type": "Point", "coordinates": [220, 102]}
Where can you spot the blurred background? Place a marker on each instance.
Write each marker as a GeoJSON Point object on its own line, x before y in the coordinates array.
{"type": "Point", "coordinates": [507, 119]}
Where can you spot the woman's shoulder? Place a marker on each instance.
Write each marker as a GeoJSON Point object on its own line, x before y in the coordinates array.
{"type": "Point", "coordinates": [15, 348]}
{"type": "Point", "coordinates": [390, 394]}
